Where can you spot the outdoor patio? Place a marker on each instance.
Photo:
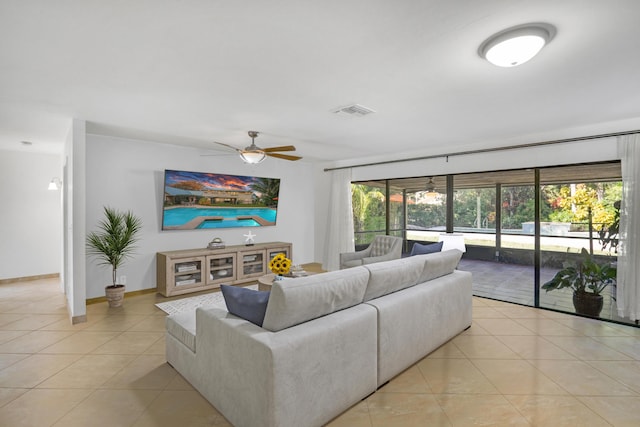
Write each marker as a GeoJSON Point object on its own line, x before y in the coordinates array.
{"type": "Point", "coordinates": [514, 283]}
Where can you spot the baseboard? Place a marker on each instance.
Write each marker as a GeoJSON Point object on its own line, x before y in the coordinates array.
{"type": "Point", "coordinates": [126, 295]}
{"type": "Point", "coordinates": [29, 278]}
{"type": "Point", "coordinates": [78, 319]}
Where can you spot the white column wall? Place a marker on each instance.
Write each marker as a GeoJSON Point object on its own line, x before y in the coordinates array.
{"type": "Point", "coordinates": [74, 207]}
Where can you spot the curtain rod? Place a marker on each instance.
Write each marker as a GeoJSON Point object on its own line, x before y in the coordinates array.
{"type": "Point", "coordinates": [489, 150]}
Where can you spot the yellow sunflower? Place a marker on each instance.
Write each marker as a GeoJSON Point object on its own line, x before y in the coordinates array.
{"type": "Point", "coordinates": [280, 264]}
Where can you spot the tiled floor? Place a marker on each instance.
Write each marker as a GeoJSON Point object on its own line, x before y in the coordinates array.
{"type": "Point", "coordinates": [515, 366]}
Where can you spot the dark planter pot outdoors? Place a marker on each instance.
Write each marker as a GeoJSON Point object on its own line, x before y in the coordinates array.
{"type": "Point", "coordinates": [588, 304]}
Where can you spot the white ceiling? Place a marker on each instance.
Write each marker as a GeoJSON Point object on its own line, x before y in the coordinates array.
{"type": "Point", "coordinates": [189, 72]}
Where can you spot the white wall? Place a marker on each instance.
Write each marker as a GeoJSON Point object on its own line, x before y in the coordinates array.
{"type": "Point", "coordinates": [128, 175]}
{"type": "Point", "coordinates": [30, 215]}
{"type": "Point", "coordinates": [549, 155]}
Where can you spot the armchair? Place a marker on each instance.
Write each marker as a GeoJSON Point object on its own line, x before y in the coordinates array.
{"type": "Point", "coordinates": [383, 248]}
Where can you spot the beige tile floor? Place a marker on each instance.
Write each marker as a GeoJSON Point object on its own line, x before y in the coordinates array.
{"type": "Point", "coordinates": [515, 366]}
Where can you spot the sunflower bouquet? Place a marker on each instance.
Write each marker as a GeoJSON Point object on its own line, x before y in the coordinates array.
{"type": "Point", "coordinates": [280, 264]}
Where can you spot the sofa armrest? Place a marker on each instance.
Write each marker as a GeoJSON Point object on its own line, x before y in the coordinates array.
{"type": "Point", "coordinates": [346, 257]}
{"type": "Point", "coordinates": [255, 377]}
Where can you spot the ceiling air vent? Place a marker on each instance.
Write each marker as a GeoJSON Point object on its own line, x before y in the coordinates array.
{"type": "Point", "coordinates": [355, 110]}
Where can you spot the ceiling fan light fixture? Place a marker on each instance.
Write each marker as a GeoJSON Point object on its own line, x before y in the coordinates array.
{"type": "Point", "coordinates": [253, 157]}
{"type": "Point", "coordinates": [516, 45]}
{"type": "Point", "coordinates": [432, 195]}
{"type": "Point", "coordinates": [253, 154]}
{"type": "Point", "coordinates": [431, 186]}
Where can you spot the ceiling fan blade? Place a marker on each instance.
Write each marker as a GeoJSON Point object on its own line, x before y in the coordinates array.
{"type": "Point", "coordinates": [226, 145]}
{"type": "Point", "coordinates": [283, 156]}
{"type": "Point", "coordinates": [283, 148]}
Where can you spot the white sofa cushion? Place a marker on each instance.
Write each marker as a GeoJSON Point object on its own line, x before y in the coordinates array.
{"type": "Point", "coordinates": [294, 301]}
{"type": "Point", "coordinates": [391, 276]}
{"type": "Point", "coordinates": [439, 264]}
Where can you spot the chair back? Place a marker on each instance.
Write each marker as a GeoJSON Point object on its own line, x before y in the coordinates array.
{"type": "Point", "coordinates": [382, 245]}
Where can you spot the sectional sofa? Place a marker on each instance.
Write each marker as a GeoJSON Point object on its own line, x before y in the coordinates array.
{"type": "Point", "coordinates": [327, 341]}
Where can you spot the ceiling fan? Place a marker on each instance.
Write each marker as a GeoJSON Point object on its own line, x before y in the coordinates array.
{"type": "Point", "coordinates": [254, 154]}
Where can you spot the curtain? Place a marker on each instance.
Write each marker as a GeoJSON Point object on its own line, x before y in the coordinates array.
{"type": "Point", "coordinates": [339, 237]}
{"type": "Point", "coordinates": [628, 281]}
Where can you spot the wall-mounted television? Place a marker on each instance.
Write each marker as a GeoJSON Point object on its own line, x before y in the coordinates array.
{"type": "Point", "coordinates": [197, 200]}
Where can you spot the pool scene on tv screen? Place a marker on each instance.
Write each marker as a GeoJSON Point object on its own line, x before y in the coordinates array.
{"type": "Point", "coordinates": [197, 200]}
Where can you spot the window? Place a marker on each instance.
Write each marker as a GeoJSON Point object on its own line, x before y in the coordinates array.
{"type": "Point", "coordinates": [369, 216]}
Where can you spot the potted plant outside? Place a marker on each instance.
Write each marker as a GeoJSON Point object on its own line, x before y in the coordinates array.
{"type": "Point", "coordinates": [112, 244]}
{"type": "Point", "coordinates": [587, 279]}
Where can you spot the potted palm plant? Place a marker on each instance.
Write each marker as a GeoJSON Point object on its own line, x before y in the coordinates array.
{"type": "Point", "coordinates": [587, 279]}
{"type": "Point", "coordinates": [112, 244]}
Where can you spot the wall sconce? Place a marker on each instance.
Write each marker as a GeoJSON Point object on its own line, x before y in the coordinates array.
{"type": "Point", "coordinates": [55, 184]}
{"type": "Point", "coordinates": [452, 241]}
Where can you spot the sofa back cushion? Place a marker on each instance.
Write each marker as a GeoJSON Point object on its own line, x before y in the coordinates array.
{"type": "Point", "coordinates": [439, 264]}
{"type": "Point", "coordinates": [391, 276]}
{"type": "Point", "coordinates": [294, 301]}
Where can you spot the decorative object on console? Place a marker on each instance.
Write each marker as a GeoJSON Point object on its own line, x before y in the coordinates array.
{"type": "Point", "coordinates": [420, 249]}
{"type": "Point", "coordinates": [249, 238]}
{"type": "Point", "coordinates": [216, 243]}
{"type": "Point", "coordinates": [112, 244]}
{"type": "Point", "coordinates": [280, 265]}
{"type": "Point", "coordinates": [195, 200]}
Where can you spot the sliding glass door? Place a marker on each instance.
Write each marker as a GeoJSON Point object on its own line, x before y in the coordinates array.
{"type": "Point", "coordinates": [579, 204]}
{"type": "Point", "coordinates": [520, 227]}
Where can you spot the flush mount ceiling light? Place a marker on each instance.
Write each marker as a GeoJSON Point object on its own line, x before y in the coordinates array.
{"type": "Point", "coordinates": [516, 45]}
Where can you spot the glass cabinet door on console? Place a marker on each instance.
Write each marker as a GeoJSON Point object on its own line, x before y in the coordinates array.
{"type": "Point", "coordinates": [222, 268]}
{"type": "Point", "coordinates": [188, 272]}
{"type": "Point", "coordinates": [272, 252]}
{"type": "Point", "coordinates": [252, 264]}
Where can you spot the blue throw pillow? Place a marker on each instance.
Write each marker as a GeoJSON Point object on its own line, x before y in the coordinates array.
{"type": "Point", "coordinates": [246, 303]}
{"type": "Point", "coordinates": [420, 249]}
